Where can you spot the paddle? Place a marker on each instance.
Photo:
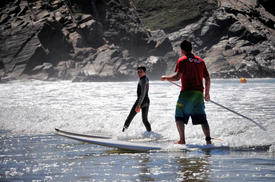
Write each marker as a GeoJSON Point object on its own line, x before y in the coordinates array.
{"type": "Point", "coordinates": [260, 126]}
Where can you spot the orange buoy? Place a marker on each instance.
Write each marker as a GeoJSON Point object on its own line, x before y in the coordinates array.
{"type": "Point", "coordinates": [243, 80]}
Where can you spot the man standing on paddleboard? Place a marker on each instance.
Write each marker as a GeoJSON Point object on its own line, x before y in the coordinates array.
{"type": "Point", "coordinates": [191, 69]}
{"type": "Point", "coordinates": [142, 101]}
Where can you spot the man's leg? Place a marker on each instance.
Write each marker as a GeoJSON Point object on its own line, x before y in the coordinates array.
{"type": "Point", "coordinates": [206, 131]}
{"type": "Point", "coordinates": [181, 127]}
{"type": "Point", "coordinates": [130, 117]}
{"type": "Point", "coordinates": [145, 118]}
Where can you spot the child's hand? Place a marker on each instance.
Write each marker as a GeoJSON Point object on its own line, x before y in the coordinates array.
{"type": "Point", "coordinates": [138, 108]}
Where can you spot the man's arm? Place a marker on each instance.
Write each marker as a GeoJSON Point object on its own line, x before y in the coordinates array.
{"type": "Point", "coordinates": [174, 77]}
{"type": "Point", "coordinates": [207, 89]}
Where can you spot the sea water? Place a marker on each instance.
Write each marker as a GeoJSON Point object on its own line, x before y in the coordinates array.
{"type": "Point", "coordinates": [30, 150]}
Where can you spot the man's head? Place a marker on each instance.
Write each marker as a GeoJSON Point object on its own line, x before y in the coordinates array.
{"type": "Point", "coordinates": [141, 71]}
{"type": "Point", "coordinates": [186, 46]}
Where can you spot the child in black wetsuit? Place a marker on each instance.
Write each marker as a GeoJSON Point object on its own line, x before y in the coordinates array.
{"type": "Point", "coordinates": [142, 101]}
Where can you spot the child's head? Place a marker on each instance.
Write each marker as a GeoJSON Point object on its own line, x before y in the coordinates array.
{"type": "Point", "coordinates": [141, 71]}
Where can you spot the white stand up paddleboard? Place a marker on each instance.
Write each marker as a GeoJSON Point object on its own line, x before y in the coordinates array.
{"type": "Point", "coordinates": [107, 141]}
{"type": "Point", "coordinates": [124, 145]}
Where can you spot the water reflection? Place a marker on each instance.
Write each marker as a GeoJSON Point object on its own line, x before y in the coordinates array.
{"type": "Point", "coordinates": [145, 171]}
{"type": "Point", "coordinates": [192, 168]}
{"type": "Point", "coordinates": [165, 166]}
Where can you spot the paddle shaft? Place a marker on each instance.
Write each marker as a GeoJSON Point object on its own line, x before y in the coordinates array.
{"type": "Point", "coordinates": [229, 110]}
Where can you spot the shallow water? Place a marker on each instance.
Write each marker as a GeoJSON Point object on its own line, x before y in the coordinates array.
{"type": "Point", "coordinates": [30, 150]}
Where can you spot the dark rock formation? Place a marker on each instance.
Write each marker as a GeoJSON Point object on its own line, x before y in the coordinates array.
{"type": "Point", "coordinates": [76, 39]}
{"type": "Point", "coordinates": [237, 40]}
{"type": "Point", "coordinates": [172, 15]}
{"type": "Point", "coordinates": [103, 40]}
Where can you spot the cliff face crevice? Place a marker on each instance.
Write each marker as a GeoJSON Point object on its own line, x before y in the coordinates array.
{"type": "Point", "coordinates": [101, 40]}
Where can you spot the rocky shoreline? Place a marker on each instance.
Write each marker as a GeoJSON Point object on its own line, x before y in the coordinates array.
{"type": "Point", "coordinates": [93, 40]}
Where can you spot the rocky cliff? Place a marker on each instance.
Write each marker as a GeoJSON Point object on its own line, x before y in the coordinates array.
{"type": "Point", "coordinates": [81, 40]}
{"type": "Point", "coordinates": [236, 40]}
{"type": "Point", "coordinates": [101, 40]}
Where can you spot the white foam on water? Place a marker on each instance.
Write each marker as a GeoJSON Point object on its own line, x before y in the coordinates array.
{"type": "Point", "coordinates": [36, 107]}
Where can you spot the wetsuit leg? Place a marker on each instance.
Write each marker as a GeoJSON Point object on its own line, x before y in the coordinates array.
{"type": "Point", "coordinates": [130, 116]}
{"type": "Point", "coordinates": [145, 118]}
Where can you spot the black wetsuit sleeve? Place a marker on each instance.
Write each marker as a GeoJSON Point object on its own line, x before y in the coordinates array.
{"type": "Point", "coordinates": [143, 85]}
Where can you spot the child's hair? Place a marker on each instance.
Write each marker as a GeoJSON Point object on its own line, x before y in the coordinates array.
{"type": "Point", "coordinates": [186, 46]}
{"type": "Point", "coordinates": [142, 67]}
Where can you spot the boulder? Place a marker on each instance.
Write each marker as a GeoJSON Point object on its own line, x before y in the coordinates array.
{"type": "Point", "coordinates": [42, 72]}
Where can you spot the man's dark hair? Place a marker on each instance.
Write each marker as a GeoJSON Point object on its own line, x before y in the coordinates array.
{"type": "Point", "coordinates": [142, 67]}
{"type": "Point", "coordinates": [186, 46]}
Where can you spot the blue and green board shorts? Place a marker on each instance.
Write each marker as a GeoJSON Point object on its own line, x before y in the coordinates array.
{"type": "Point", "coordinates": [191, 103]}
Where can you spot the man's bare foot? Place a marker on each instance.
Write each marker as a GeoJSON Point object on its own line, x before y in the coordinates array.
{"type": "Point", "coordinates": [180, 142]}
{"type": "Point", "coordinates": [208, 142]}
